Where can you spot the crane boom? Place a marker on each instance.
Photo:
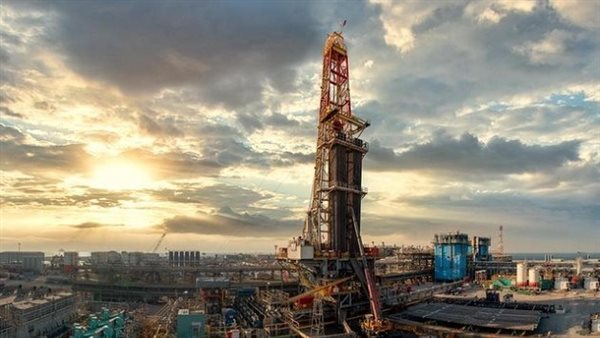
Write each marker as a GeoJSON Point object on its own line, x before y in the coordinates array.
{"type": "Point", "coordinates": [159, 242]}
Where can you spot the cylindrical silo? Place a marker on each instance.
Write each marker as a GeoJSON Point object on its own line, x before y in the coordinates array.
{"type": "Point", "coordinates": [534, 277]}
{"type": "Point", "coordinates": [521, 274]}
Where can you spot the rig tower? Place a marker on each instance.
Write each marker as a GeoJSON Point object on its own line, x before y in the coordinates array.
{"type": "Point", "coordinates": [330, 248]}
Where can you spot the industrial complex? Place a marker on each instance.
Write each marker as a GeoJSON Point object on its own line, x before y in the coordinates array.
{"type": "Point", "coordinates": [325, 283]}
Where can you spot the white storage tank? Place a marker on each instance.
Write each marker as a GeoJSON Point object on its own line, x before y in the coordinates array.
{"type": "Point", "coordinates": [521, 274]}
{"type": "Point", "coordinates": [534, 277]}
{"type": "Point", "coordinates": [595, 322]}
{"type": "Point", "coordinates": [561, 283]}
{"type": "Point", "coordinates": [591, 283]}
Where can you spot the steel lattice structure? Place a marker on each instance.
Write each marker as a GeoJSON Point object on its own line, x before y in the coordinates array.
{"type": "Point", "coordinates": [337, 182]}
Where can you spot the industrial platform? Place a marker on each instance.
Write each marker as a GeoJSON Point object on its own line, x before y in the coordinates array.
{"type": "Point", "coordinates": [483, 317]}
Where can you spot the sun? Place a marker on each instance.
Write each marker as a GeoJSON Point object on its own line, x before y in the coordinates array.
{"type": "Point", "coordinates": [121, 176]}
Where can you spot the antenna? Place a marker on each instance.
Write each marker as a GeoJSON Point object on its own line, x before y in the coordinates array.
{"type": "Point", "coordinates": [342, 25]}
{"type": "Point", "coordinates": [501, 240]}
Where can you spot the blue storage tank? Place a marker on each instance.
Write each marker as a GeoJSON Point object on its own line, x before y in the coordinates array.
{"type": "Point", "coordinates": [450, 256]}
{"type": "Point", "coordinates": [481, 248]}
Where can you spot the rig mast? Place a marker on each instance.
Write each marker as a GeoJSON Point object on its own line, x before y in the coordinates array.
{"type": "Point", "coordinates": [330, 249]}
{"type": "Point", "coordinates": [336, 189]}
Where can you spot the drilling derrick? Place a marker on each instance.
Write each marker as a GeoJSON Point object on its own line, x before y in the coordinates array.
{"type": "Point", "coordinates": [336, 191]}
{"type": "Point", "coordinates": [330, 250]}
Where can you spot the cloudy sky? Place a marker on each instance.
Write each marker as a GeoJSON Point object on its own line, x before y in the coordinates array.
{"type": "Point", "coordinates": [123, 120]}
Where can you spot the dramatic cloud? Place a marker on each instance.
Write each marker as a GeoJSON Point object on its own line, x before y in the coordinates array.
{"type": "Point", "coordinates": [219, 195]}
{"type": "Point", "coordinates": [579, 12]}
{"type": "Point", "coordinates": [16, 153]}
{"type": "Point", "coordinates": [227, 222]}
{"type": "Point", "coordinates": [193, 44]}
{"type": "Point", "coordinates": [468, 155]}
{"type": "Point", "coordinates": [94, 225]}
{"type": "Point", "coordinates": [200, 118]}
{"type": "Point", "coordinates": [53, 196]}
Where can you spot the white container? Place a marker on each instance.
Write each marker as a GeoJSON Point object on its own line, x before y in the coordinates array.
{"type": "Point", "coordinates": [595, 323]}
{"type": "Point", "coordinates": [301, 251]}
{"type": "Point", "coordinates": [534, 277]}
{"type": "Point", "coordinates": [591, 283]}
{"type": "Point", "coordinates": [561, 283]}
{"type": "Point", "coordinates": [521, 274]}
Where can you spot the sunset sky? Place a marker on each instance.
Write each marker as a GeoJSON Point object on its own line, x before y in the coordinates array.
{"type": "Point", "coordinates": [120, 120]}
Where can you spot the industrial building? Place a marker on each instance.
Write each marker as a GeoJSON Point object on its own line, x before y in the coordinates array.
{"type": "Point", "coordinates": [27, 260]}
{"type": "Point", "coordinates": [184, 258]}
{"type": "Point", "coordinates": [190, 324]}
{"type": "Point", "coordinates": [105, 257]}
{"type": "Point", "coordinates": [451, 253]}
{"type": "Point", "coordinates": [124, 257]}
{"type": "Point", "coordinates": [481, 248]}
{"type": "Point", "coordinates": [70, 261]}
{"type": "Point", "coordinates": [37, 314]}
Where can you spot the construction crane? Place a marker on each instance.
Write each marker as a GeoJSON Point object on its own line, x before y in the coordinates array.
{"type": "Point", "coordinates": [160, 240]}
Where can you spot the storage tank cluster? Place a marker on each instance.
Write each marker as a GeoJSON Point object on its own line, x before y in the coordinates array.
{"type": "Point", "coordinates": [528, 277]}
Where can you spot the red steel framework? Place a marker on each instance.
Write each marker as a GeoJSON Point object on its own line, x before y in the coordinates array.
{"type": "Point", "coordinates": [333, 219]}
{"type": "Point", "coordinates": [336, 127]}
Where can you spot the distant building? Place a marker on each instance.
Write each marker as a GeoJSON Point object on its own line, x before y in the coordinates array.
{"type": "Point", "coordinates": [70, 261]}
{"type": "Point", "coordinates": [29, 260]}
{"type": "Point", "coordinates": [481, 248]}
{"type": "Point", "coordinates": [184, 258]}
{"type": "Point", "coordinates": [43, 316]}
{"type": "Point", "coordinates": [105, 257]}
{"type": "Point", "coordinates": [139, 258]}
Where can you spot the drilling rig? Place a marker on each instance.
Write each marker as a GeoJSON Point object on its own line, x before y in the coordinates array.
{"type": "Point", "coordinates": [330, 248]}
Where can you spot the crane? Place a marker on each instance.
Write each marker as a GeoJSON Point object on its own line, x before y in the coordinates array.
{"type": "Point", "coordinates": [159, 242]}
